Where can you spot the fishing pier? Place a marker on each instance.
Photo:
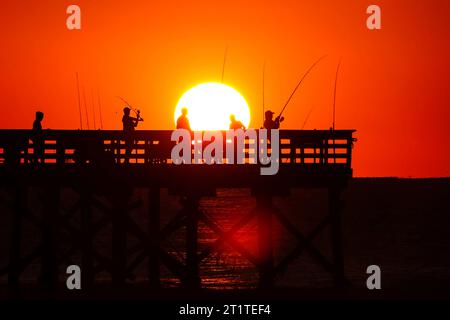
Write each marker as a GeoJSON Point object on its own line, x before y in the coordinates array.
{"type": "Point", "coordinates": [98, 169]}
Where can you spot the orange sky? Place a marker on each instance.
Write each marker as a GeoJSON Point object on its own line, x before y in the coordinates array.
{"type": "Point", "coordinates": [393, 85]}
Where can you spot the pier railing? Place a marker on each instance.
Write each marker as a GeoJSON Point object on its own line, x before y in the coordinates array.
{"type": "Point", "coordinates": [298, 148]}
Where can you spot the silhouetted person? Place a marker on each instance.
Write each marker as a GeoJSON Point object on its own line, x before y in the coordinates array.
{"type": "Point", "coordinates": [234, 124]}
{"type": "Point", "coordinates": [129, 124]}
{"type": "Point", "coordinates": [38, 141]}
{"type": "Point", "coordinates": [183, 121]}
{"type": "Point", "coordinates": [269, 123]}
{"type": "Point", "coordinates": [37, 123]}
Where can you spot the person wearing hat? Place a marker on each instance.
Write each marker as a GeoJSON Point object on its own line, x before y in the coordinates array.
{"type": "Point", "coordinates": [269, 123]}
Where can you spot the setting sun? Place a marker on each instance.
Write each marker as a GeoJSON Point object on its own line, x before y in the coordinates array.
{"type": "Point", "coordinates": [210, 106]}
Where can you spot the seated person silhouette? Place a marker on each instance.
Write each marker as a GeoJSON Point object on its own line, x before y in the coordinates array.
{"type": "Point", "coordinates": [234, 124]}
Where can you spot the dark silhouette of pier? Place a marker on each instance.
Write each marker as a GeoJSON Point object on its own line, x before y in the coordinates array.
{"type": "Point", "coordinates": [97, 163]}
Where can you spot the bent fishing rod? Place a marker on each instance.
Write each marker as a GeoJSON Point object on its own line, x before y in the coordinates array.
{"type": "Point", "coordinates": [334, 100]}
{"type": "Point", "coordinates": [136, 111]}
{"type": "Point", "coordinates": [299, 83]}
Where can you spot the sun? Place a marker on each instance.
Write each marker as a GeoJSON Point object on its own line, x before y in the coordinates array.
{"type": "Point", "coordinates": [210, 105]}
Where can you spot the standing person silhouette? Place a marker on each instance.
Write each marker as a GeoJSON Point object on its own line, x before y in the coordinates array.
{"type": "Point", "coordinates": [269, 123]}
{"type": "Point", "coordinates": [129, 124]}
{"type": "Point", "coordinates": [183, 121]}
{"type": "Point", "coordinates": [38, 141]}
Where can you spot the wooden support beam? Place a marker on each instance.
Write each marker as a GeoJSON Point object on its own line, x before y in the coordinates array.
{"type": "Point", "coordinates": [300, 248]}
{"type": "Point", "coordinates": [87, 238]}
{"type": "Point", "coordinates": [177, 222]}
{"type": "Point", "coordinates": [192, 278]}
{"type": "Point", "coordinates": [153, 230]}
{"type": "Point", "coordinates": [264, 207]}
{"type": "Point", "coordinates": [49, 274]}
{"type": "Point", "coordinates": [24, 261]}
{"type": "Point", "coordinates": [16, 236]}
{"type": "Point", "coordinates": [225, 236]}
{"type": "Point", "coordinates": [169, 261]}
{"type": "Point", "coordinates": [309, 247]}
{"type": "Point", "coordinates": [119, 236]}
{"type": "Point", "coordinates": [334, 207]}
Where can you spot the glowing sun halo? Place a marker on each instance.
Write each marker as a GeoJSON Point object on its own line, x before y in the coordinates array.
{"type": "Point", "coordinates": [210, 106]}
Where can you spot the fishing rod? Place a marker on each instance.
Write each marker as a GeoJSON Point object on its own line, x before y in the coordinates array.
{"type": "Point", "coordinates": [100, 109]}
{"type": "Point", "coordinates": [334, 98]}
{"type": "Point", "coordinates": [86, 108]}
{"type": "Point", "coordinates": [307, 117]}
{"type": "Point", "coordinates": [334, 106]}
{"type": "Point", "coordinates": [93, 108]}
{"type": "Point", "coordinates": [136, 111]}
{"type": "Point", "coordinates": [263, 89]}
{"type": "Point", "coordinates": [79, 101]}
{"type": "Point", "coordinates": [298, 85]}
{"type": "Point", "coordinates": [224, 62]}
